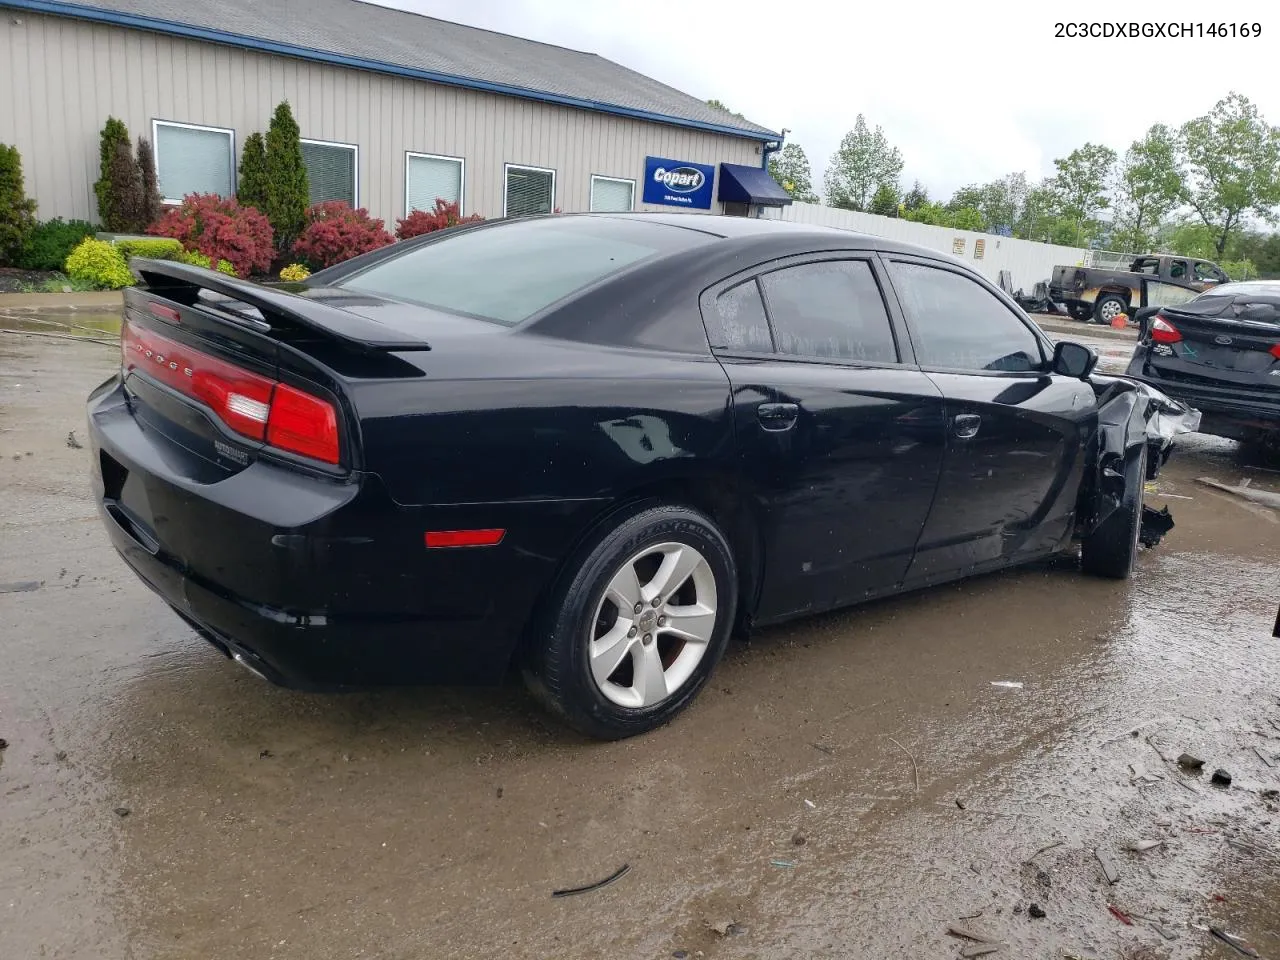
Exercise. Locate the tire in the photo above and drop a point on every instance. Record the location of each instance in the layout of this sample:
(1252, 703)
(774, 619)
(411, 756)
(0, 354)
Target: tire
(588, 629)
(1112, 550)
(1108, 308)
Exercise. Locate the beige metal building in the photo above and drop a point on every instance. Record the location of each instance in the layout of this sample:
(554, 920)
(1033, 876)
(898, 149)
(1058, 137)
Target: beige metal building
(395, 110)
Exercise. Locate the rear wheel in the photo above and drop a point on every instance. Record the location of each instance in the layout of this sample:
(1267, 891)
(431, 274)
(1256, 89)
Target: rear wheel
(1108, 308)
(636, 627)
(1112, 549)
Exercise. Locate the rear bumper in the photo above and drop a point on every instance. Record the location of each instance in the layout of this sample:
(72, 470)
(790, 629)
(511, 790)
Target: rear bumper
(1225, 411)
(323, 585)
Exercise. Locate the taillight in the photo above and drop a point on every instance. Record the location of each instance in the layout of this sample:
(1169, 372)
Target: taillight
(1162, 331)
(303, 423)
(1275, 351)
(250, 404)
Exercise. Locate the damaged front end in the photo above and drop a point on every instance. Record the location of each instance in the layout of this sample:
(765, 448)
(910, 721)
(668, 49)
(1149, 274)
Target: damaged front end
(1132, 417)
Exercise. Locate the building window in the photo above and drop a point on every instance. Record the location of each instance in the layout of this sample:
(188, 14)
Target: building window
(332, 171)
(529, 190)
(193, 159)
(612, 194)
(428, 178)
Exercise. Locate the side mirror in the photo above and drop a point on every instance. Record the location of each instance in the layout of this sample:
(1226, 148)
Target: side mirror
(1074, 359)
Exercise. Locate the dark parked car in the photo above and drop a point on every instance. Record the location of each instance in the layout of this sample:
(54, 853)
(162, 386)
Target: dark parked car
(1220, 353)
(593, 446)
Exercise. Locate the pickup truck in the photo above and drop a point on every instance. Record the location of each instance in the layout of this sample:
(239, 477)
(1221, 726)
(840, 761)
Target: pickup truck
(1100, 295)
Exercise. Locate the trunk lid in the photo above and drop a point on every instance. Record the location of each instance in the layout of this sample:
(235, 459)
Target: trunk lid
(1222, 343)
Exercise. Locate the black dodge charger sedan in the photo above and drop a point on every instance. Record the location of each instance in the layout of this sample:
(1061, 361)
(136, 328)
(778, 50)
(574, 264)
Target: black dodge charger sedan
(593, 446)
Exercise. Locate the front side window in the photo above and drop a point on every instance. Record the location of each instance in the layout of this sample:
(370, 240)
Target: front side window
(612, 194)
(430, 178)
(508, 271)
(830, 310)
(331, 171)
(193, 159)
(957, 324)
(529, 191)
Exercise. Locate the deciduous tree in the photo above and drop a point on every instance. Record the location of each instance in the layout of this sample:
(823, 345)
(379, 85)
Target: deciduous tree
(864, 162)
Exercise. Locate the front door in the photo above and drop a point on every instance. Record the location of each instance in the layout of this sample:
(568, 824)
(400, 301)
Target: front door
(840, 440)
(1016, 433)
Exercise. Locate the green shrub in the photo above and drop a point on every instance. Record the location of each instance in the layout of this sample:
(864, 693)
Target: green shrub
(252, 191)
(60, 284)
(114, 133)
(1239, 269)
(288, 194)
(99, 264)
(197, 259)
(17, 213)
(152, 202)
(152, 248)
(49, 244)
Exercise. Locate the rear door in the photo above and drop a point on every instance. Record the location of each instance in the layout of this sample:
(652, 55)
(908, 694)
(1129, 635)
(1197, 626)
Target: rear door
(840, 435)
(1016, 434)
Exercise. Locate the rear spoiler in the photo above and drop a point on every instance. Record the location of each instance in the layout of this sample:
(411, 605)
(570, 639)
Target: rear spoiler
(183, 283)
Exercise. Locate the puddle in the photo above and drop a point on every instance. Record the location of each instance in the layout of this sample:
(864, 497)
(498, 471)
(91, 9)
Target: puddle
(90, 324)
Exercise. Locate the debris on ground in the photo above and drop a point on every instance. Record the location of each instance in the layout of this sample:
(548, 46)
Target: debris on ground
(799, 838)
(1142, 775)
(1142, 846)
(959, 803)
(727, 928)
(783, 864)
(1036, 911)
(1245, 492)
(1221, 778)
(1109, 869)
(60, 756)
(1045, 849)
(1263, 757)
(1009, 684)
(72, 442)
(122, 811)
(589, 888)
(966, 932)
(4, 744)
(1188, 762)
(264, 754)
(823, 748)
(20, 586)
(979, 949)
(1120, 915)
(1163, 931)
(915, 771)
(1236, 943)
(1155, 524)
(811, 805)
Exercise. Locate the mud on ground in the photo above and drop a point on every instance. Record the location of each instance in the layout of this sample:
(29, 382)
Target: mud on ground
(157, 802)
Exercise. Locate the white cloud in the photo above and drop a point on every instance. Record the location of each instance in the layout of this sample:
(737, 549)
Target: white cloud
(967, 91)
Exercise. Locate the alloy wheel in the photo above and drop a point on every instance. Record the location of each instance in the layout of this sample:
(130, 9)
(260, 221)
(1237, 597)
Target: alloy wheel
(653, 625)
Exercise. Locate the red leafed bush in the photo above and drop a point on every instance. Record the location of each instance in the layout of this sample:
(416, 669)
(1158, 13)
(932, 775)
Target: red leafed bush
(445, 215)
(334, 232)
(221, 229)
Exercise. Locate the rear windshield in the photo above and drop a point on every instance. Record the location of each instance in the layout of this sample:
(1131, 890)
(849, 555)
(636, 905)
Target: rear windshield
(509, 272)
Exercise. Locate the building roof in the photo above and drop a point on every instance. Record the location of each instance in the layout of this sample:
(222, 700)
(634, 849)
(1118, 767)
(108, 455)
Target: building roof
(371, 37)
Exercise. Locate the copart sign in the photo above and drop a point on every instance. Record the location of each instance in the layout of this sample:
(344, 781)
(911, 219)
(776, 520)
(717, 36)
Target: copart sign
(677, 183)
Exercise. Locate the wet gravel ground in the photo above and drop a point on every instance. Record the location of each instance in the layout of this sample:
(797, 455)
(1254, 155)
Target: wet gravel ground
(157, 802)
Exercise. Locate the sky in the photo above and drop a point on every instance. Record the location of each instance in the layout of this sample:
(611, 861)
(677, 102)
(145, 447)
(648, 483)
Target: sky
(967, 91)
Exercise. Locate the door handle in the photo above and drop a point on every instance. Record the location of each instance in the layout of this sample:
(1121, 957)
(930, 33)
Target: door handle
(778, 416)
(965, 425)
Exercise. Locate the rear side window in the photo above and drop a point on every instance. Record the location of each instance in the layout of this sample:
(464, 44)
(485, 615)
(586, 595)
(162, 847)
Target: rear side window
(509, 272)
(743, 326)
(957, 324)
(832, 309)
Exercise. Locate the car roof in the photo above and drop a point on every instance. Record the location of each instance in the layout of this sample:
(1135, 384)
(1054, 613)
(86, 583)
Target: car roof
(1244, 288)
(742, 228)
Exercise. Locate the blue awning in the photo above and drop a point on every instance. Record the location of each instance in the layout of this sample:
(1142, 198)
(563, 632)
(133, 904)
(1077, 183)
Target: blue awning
(739, 184)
